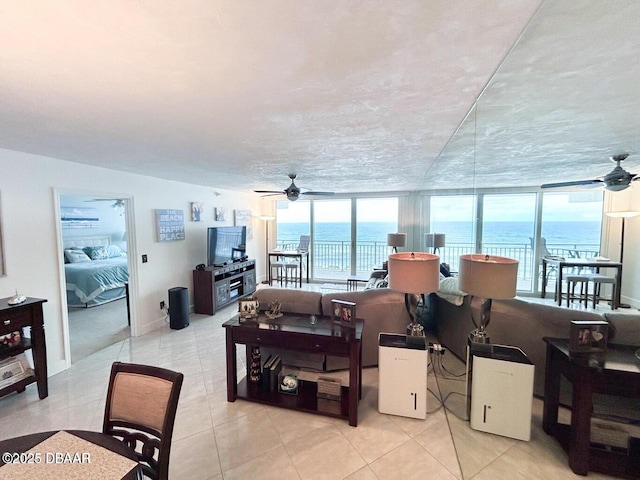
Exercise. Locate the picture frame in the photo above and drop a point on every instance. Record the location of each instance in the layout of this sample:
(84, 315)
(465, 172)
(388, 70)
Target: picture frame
(248, 308)
(220, 214)
(244, 218)
(588, 336)
(197, 209)
(343, 312)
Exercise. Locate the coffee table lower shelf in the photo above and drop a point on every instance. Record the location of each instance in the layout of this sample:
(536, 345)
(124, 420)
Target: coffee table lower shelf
(305, 401)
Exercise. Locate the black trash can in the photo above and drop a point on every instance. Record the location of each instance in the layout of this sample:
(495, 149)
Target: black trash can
(178, 307)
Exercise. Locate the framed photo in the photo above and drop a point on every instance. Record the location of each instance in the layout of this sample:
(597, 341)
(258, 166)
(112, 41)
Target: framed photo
(248, 308)
(220, 214)
(196, 211)
(588, 336)
(343, 312)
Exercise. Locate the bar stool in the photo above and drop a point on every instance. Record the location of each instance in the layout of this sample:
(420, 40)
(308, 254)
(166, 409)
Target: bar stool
(572, 281)
(598, 279)
(291, 268)
(278, 266)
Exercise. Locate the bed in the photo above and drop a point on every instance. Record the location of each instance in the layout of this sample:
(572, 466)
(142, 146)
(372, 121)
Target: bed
(96, 271)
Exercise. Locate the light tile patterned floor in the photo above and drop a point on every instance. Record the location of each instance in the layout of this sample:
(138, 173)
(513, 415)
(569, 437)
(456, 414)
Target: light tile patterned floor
(214, 439)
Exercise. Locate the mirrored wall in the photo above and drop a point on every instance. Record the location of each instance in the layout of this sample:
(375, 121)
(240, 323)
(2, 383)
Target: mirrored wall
(562, 102)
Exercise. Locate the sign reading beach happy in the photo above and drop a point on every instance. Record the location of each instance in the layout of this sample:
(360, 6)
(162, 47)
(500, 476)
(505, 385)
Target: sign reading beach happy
(170, 225)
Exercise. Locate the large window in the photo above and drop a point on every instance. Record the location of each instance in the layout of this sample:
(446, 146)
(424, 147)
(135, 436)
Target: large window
(292, 220)
(376, 217)
(571, 224)
(508, 230)
(349, 236)
(454, 215)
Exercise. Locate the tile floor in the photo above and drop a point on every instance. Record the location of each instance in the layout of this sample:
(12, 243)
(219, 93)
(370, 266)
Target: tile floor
(214, 439)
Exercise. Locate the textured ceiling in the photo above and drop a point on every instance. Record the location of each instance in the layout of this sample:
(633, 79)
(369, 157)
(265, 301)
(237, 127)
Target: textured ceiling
(351, 96)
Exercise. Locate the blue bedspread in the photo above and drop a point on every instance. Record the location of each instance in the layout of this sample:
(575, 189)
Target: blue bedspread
(89, 279)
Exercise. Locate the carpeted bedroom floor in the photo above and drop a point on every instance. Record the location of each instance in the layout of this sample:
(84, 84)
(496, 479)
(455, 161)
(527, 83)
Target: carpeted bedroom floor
(92, 329)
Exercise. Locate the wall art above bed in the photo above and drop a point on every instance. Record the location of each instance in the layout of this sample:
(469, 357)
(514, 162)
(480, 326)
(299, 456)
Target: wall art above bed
(79, 217)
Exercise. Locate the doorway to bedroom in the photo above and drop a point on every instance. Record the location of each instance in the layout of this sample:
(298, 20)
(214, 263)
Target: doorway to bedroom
(96, 272)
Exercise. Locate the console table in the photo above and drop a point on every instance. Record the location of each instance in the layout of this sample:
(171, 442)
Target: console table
(15, 318)
(615, 373)
(295, 332)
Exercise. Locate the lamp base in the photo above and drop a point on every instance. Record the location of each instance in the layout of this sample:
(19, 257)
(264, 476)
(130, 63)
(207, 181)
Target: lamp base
(479, 336)
(415, 330)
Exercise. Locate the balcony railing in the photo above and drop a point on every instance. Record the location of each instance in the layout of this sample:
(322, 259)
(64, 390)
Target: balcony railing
(332, 259)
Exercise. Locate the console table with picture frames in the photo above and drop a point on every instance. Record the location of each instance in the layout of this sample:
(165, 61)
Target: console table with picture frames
(296, 332)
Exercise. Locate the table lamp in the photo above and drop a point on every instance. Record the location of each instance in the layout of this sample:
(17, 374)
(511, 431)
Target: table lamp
(396, 240)
(488, 277)
(435, 241)
(417, 274)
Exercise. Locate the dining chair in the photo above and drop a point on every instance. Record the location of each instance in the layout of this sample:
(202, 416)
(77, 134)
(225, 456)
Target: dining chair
(141, 408)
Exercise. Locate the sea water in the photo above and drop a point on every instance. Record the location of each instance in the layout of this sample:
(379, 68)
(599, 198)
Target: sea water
(579, 233)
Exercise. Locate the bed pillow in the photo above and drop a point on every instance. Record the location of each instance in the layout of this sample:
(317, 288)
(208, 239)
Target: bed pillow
(74, 255)
(96, 253)
(114, 251)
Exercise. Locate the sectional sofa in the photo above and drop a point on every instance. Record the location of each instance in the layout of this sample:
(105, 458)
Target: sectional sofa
(521, 323)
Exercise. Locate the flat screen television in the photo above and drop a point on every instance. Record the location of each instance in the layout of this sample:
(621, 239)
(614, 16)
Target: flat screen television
(226, 245)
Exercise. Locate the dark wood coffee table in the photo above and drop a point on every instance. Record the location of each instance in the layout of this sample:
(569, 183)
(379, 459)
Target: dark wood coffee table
(295, 332)
(615, 373)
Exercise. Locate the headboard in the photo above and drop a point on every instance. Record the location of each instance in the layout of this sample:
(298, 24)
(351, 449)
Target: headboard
(81, 242)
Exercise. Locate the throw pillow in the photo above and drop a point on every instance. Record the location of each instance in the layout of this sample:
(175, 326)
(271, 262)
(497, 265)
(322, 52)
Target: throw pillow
(73, 255)
(96, 253)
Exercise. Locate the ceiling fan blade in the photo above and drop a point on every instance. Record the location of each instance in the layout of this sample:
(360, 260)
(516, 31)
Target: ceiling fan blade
(317, 193)
(275, 192)
(577, 183)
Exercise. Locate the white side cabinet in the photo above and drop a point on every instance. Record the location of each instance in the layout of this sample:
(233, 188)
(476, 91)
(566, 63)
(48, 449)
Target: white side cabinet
(402, 367)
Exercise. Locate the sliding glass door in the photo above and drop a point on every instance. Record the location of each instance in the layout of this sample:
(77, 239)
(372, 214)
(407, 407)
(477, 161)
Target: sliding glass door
(332, 239)
(508, 230)
(375, 218)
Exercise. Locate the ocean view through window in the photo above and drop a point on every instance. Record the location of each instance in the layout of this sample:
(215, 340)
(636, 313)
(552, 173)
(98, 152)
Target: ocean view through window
(350, 237)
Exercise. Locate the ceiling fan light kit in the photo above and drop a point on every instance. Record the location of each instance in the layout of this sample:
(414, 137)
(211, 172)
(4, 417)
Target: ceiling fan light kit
(616, 180)
(292, 192)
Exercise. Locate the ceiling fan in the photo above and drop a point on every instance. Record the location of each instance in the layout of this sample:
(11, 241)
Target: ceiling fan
(616, 180)
(292, 191)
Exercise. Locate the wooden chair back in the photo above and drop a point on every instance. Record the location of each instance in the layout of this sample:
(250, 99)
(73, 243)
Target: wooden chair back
(142, 401)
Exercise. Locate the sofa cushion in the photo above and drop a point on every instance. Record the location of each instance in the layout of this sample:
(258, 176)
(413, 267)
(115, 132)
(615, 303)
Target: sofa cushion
(291, 300)
(624, 328)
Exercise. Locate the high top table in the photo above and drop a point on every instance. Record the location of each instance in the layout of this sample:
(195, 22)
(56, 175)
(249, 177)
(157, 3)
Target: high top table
(562, 263)
(296, 332)
(298, 255)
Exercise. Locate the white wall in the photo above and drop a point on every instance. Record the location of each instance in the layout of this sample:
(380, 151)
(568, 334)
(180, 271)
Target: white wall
(29, 188)
(626, 200)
